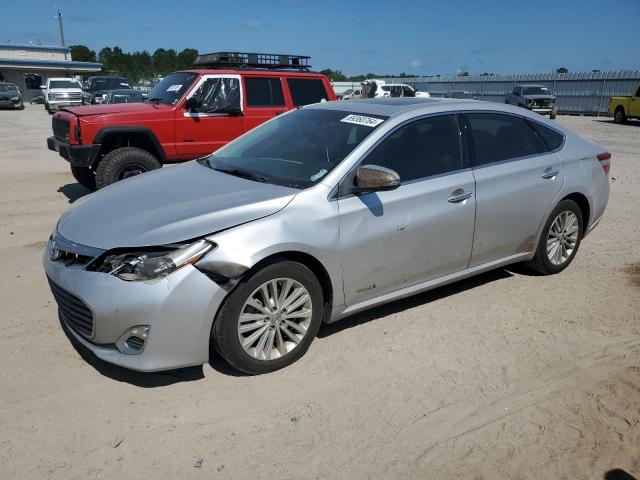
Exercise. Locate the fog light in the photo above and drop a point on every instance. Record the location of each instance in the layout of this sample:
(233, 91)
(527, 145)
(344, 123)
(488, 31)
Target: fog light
(134, 340)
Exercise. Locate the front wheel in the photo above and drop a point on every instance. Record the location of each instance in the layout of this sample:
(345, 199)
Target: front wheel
(85, 177)
(123, 163)
(560, 239)
(270, 319)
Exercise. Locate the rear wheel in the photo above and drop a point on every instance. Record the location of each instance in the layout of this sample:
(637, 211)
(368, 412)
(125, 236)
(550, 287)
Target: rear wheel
(560, 239)
(85, 177)
(123, 163)
(270, 319)
(619, 116)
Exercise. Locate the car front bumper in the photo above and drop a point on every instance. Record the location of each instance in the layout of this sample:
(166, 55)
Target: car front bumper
(76, 155)
(179, 310)
(58, 104)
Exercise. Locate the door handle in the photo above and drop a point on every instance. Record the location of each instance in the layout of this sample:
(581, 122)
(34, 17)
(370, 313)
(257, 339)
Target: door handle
(459, 196)
(550, 174)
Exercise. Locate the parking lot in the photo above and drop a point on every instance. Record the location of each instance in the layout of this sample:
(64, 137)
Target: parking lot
(505, 375)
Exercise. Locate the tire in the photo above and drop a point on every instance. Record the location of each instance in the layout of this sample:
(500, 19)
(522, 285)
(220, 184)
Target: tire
(541, 262)
(225, 334)
(552, 115)
(85, 177)
(619, 116)
(123, 163)
(46, 107)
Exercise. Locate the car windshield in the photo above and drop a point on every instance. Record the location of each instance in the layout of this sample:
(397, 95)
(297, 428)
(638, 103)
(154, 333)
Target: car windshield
(108, 83)
(535, 91)
(172, 87)
(64, 84)
(8, 88)
(297, 149)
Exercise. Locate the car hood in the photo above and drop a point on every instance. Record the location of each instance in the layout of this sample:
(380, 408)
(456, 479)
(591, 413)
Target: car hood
(539, 97)
(65, 90)
(169, 205)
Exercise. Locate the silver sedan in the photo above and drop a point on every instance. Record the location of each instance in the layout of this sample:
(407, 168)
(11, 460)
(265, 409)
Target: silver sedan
(318, 214)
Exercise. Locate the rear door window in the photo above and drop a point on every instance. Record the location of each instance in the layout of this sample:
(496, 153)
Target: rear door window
(497, 137)
(263, 92)
(305, 91)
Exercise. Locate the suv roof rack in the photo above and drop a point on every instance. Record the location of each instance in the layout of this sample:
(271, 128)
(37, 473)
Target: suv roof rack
(269, 61)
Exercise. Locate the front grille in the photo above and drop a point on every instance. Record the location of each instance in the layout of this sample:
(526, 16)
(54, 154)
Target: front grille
(74, 312)
(60, 129)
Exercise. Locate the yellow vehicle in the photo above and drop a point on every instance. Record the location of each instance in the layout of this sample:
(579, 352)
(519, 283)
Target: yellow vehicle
(623, 108)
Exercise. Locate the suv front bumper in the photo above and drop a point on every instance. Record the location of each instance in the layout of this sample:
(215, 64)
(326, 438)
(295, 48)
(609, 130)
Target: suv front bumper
(55, 105)
(178, 309)
(76, 155)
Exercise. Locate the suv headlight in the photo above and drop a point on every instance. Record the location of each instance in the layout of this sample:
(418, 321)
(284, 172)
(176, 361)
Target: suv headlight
(138, 266)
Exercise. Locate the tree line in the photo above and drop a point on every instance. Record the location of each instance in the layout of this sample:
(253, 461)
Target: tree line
(139, 65)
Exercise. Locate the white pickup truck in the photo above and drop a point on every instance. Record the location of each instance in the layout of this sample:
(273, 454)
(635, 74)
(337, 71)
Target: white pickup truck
(61, 92)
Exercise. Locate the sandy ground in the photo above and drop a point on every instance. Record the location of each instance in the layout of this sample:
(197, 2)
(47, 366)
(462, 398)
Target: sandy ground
(502, 376)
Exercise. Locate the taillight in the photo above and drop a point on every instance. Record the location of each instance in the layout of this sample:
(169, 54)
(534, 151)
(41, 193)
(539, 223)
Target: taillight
(605, 160)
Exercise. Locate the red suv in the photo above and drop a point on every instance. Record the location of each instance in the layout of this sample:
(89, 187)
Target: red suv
(187, 115)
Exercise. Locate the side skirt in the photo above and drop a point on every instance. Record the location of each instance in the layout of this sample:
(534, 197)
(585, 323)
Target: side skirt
(428, 285)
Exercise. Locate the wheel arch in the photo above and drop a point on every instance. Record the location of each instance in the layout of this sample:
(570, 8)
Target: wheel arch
(585, 208)
(309, 261)
(111, 138)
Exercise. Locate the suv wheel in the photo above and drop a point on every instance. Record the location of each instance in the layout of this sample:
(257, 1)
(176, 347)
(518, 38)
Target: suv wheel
(123, 163)
(560, 239)
(619, 116)
(270, 318)
(85, 177)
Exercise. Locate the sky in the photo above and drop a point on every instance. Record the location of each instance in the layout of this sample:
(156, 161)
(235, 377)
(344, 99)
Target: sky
(388, 37)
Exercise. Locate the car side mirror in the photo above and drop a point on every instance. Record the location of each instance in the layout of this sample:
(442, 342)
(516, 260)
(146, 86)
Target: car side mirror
(193, 104)
(373, 178)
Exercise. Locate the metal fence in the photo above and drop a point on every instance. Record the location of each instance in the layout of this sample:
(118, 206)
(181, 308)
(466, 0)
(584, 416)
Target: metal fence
(579, 93)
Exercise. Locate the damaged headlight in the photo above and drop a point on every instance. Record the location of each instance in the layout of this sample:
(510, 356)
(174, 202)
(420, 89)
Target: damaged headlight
(153, 265)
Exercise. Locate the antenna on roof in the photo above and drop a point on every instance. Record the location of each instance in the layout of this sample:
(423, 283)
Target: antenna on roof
(269, 61)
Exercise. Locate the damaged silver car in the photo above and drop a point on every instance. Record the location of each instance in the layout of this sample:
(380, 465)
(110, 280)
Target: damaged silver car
(320, 213)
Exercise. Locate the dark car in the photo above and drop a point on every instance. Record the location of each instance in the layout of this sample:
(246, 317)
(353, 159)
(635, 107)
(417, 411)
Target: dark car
(124, 96)
(10, 96)
(97, 88)
(536, 98)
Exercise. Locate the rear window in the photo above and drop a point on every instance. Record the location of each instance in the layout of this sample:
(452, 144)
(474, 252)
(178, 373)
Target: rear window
(264, 92)
(305, 91)
(550, 138)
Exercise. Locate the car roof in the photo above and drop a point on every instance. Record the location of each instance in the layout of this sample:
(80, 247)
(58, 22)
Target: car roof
(254, 71)
(391, 107)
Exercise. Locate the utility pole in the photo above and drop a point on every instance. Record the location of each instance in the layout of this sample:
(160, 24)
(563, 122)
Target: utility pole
(61, 27)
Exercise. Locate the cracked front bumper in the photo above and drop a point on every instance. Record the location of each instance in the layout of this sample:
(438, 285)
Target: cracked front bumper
(179, 308)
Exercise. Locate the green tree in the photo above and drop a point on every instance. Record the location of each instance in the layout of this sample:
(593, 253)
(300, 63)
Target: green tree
(186, 58)
(82, 53)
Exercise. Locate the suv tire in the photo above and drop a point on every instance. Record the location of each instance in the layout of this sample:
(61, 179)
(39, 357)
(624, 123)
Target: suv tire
(123, 163)
(541, 263)
(225, 334)
(85, 177)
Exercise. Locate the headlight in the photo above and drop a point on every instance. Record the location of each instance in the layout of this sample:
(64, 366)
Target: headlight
(153, 265)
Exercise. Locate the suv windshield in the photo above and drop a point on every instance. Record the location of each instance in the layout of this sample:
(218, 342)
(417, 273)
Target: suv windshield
(8, 88)
(64, 84)
(297, 149)
(172, 87)
(113, 83)
(535, 91)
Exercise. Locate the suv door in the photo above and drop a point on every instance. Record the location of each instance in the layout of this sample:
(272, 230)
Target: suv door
(518, 177)
(216, 122)
(420, 231)
(634, 104)
(263, 99)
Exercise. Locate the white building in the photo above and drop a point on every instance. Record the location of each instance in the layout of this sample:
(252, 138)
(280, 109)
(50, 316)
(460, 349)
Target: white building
(29, 66)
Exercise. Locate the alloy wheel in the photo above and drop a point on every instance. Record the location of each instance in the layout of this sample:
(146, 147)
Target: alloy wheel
(562, 237)
(131, 171)
(274, 319)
